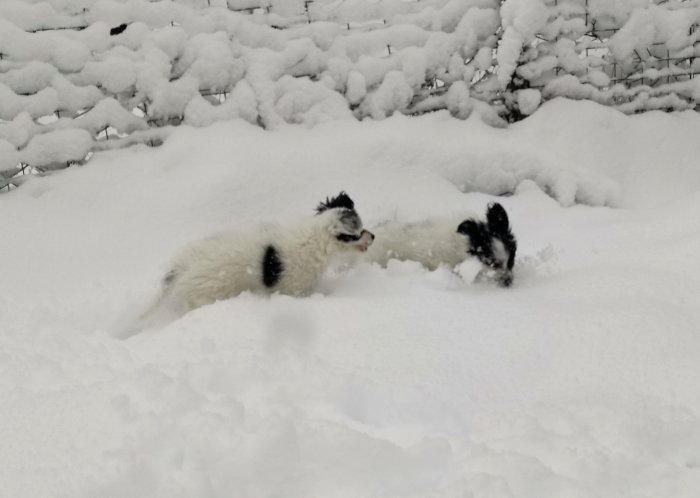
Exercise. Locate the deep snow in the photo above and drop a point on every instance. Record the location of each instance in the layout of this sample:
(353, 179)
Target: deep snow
(581, 381)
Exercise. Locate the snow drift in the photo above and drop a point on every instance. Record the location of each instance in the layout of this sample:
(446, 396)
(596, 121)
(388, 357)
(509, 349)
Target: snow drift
(581, 380)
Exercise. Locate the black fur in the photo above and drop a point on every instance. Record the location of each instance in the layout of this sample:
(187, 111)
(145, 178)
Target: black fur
(499, 226)
(479, 240)
(482, 235)
(346, 237)
(118, 29)
(272, 267)
(342, 200)
(496, 217)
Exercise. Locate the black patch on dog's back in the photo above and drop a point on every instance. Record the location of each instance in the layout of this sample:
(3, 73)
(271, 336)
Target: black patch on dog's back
(342, 200)
(272, 267)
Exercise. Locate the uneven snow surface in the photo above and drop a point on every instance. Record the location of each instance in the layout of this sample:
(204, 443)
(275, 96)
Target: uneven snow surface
(580, 381)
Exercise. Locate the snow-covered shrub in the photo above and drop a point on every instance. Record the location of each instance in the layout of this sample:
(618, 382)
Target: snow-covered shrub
(57, 149)
(241, 103)
(458, 102)
(603, 51)
(9, 160)
(212, 60)
(38, 104)
(108, 113)
(394, 94)
(128, 70)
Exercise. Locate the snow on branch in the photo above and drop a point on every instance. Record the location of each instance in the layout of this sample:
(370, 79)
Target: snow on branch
(57, 149)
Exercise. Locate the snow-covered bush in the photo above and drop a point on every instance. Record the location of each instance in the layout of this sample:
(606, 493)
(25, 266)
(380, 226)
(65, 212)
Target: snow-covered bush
(125, 71)
(635, 55)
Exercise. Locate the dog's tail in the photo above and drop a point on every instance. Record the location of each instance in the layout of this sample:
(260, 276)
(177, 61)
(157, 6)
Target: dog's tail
(135, 321)
(493, 242)
(156, 313)
(167, 284)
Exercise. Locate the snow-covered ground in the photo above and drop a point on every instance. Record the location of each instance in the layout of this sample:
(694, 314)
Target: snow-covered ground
(580, 381)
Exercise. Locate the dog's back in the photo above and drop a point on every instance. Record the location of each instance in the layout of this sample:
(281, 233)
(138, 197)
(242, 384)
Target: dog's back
(431, 242)
(450, 241)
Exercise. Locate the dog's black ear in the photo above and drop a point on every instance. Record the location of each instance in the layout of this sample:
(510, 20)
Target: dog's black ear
(497, 218)
(479, 238)
(499, 227)
(342, 200)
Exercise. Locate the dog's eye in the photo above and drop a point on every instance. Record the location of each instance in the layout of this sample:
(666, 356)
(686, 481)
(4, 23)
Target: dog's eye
(346, 237)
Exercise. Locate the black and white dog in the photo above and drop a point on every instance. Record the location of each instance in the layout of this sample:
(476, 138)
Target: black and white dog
(436, 242)
(265, 259)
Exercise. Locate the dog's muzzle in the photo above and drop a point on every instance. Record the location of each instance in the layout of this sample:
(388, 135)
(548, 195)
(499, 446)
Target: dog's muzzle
(365, 240)
(360, 241)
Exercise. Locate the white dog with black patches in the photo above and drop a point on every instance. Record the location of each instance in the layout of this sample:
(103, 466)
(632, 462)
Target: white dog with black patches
(436, 242)
(266, 259)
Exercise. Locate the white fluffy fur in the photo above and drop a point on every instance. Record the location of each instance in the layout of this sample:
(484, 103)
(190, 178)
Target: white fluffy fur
(432, 243)
(226, 264)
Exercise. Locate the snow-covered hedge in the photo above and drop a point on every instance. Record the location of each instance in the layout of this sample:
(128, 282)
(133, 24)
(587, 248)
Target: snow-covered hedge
(83, 75)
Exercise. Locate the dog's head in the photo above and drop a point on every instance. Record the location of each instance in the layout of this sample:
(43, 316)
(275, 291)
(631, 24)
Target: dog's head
(345, 224)
(492, 242)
